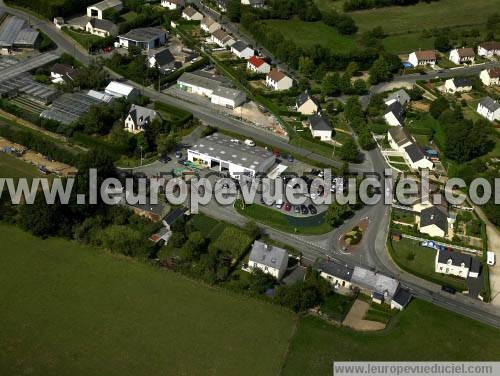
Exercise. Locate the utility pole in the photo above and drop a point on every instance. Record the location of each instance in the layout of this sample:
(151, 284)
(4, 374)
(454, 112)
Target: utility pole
(141, 155)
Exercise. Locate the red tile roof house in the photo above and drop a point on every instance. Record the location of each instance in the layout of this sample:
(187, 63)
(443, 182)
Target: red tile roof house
(419, 58)
(489, 49)
(490, 77)
(258, 65)
(277, 80)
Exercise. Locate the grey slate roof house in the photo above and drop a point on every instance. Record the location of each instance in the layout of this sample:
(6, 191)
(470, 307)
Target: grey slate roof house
(374, 282)
(139, 118)
(320, 127)
(104, 25)
(305, 98)
(415, 152)
(401, 298)
(336, 273)
(270, 259)
(400, 136)
(434, 216)
(394, 114)
(400, 96)
(163, 59)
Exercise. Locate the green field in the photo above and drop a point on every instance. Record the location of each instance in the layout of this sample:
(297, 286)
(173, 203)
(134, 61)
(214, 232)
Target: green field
(442, 13)
(422, 264)
(404, 25)
(421, 332)
(73, 310)
(306, 34)
(12, 167)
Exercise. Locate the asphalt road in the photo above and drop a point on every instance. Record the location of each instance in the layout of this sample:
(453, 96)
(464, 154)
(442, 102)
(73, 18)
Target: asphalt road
(374, 254)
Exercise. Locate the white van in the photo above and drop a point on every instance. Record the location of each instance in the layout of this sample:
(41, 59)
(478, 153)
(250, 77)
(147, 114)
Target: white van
(490, 258)
(249, 142)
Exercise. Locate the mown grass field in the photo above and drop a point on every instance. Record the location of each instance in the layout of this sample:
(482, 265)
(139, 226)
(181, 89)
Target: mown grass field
(403, 25)
(421, 332)
(423, 15)
(73, 310)
(12, 167)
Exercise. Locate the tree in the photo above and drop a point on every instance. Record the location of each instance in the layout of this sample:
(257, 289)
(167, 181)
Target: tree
(349, 151)
(380, 71)
(331, 84)
(346, 25)
(234, 10)
(336, 214)
(359, 87)
(438, 106)
(306, 66)
(167, 142)
(259, 282)
(442, 43)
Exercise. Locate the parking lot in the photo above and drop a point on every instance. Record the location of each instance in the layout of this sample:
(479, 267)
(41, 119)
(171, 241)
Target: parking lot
(175, 165)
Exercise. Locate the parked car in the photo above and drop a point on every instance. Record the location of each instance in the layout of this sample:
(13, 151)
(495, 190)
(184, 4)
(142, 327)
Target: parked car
(165, 159)
(312, 209)
(290, 158)
(448, 289)
(287, 206)
(178, 154)
(249, 142)
(235, 141)
(279, 203)
(304, 209)
(268, 201)
(296, 209)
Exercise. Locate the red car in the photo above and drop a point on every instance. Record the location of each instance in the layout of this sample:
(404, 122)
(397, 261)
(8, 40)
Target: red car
(287, 206)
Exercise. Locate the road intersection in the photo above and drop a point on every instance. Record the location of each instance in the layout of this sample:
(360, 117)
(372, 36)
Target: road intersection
(374, 254)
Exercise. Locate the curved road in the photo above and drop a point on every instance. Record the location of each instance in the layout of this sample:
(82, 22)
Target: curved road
(374, 254)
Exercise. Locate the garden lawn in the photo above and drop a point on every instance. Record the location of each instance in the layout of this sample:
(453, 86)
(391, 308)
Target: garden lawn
(422, 264)
(83, 39)
(210, 227)
(306, 34)
(12, 167)
(73, 310)
(421, 332)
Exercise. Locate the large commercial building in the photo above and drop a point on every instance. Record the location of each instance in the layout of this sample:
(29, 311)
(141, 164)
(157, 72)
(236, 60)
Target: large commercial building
(222, 154)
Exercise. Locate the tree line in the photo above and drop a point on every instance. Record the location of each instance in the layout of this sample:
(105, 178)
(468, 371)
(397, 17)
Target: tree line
(352, 5)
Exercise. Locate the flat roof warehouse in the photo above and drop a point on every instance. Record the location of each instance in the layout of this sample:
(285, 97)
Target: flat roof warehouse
(222, 148)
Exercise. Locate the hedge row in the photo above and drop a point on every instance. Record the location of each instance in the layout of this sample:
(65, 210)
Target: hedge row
(40, 144)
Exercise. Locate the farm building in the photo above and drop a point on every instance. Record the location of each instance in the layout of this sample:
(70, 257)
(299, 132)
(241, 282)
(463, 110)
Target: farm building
(98, 10)
(120, 90)
(69, 107)
(24, 85)
(15, 33)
